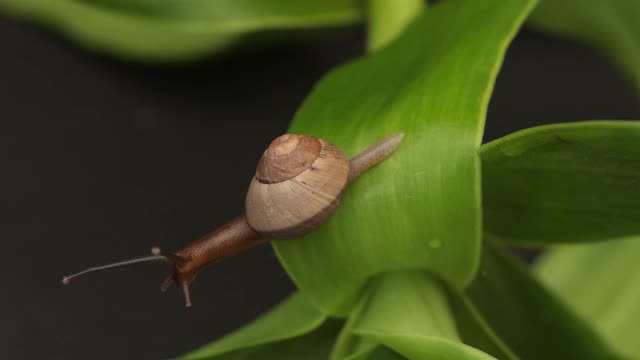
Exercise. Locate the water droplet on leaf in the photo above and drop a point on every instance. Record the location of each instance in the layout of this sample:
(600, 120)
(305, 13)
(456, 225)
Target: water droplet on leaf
(435, 243)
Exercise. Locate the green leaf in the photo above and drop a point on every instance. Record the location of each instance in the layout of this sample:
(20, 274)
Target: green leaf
(430, 348)
(563, 183)
(433, 83)
(408, 311)
(388, 19)
(602, 283)
(173, 30)
(315, 345)
(475, 331)
(293, 327)
(378, 353)
(350, 346)
(526, 316)
(609, 25)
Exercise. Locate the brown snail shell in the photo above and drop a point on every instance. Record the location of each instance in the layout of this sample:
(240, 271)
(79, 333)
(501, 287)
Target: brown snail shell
(298, 185)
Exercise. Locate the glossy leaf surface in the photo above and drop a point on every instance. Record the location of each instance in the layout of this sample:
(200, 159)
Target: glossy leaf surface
(433, 83)
(172, 30)
(609, 25)
(602, 283)
(563, 183)
(526, 316)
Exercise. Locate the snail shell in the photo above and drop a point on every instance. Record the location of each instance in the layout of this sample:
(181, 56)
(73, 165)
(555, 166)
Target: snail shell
(298, 185)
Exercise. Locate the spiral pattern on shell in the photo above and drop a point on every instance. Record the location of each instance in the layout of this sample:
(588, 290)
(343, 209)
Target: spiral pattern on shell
(298, 185)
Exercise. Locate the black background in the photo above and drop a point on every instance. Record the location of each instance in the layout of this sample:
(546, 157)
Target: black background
(101, 160)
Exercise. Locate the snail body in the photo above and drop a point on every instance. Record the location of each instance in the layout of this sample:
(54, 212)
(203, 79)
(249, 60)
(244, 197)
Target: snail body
(298, 185)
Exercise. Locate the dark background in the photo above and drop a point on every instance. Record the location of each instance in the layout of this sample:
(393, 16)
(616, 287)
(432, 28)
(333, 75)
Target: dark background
(101, 160)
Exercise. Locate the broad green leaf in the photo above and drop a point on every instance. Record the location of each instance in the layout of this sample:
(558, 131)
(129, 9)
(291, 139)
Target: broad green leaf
(408, 311)
(602, 283)
(408, 302)
(421, 208)
(609, 25)
(172, 30)
(526, 316)
(287, 329)
(572, 182)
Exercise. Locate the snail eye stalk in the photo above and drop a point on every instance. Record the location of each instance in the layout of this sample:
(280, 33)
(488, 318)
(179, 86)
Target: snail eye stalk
(157, 255)
(187, 294)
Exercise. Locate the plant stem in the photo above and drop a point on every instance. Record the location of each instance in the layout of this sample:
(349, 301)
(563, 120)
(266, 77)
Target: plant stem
(388, 18)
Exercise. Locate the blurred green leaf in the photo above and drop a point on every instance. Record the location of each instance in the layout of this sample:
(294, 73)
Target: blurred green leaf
(379, 353)
(609, 25)
(386, 20)
(408, 311)
(526, 316)
(474, 330)
(315, 345)
(293, 327)
(572, 182)
(173, 30)
(602, 283)
(420, 208)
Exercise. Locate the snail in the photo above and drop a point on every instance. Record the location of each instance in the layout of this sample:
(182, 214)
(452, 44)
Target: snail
(298, 185)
